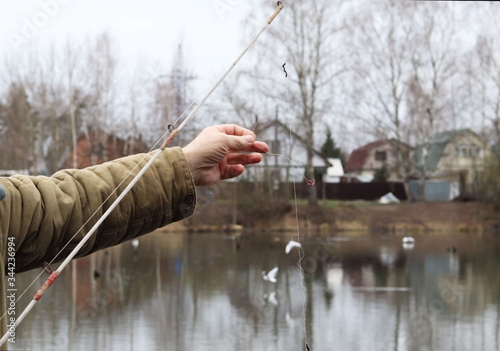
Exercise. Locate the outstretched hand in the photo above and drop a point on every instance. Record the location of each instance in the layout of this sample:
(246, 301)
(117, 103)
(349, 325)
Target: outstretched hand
(221, 152)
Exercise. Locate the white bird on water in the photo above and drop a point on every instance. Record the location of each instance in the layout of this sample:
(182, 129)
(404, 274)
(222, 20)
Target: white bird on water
(291, 244)
(408, 240)
(408, 243)
(135, 243)
(271, 275)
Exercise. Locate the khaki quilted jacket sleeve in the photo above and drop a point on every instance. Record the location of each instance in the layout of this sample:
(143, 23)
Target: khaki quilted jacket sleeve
(44, 213)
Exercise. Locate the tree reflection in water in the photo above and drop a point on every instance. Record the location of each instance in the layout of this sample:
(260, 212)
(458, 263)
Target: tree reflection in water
(206, 292)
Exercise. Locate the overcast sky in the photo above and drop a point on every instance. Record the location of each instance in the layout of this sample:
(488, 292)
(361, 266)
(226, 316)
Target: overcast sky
(211, 31)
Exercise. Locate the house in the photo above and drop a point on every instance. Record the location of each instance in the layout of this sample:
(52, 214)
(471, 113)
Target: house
(287, 157)
(453, 160)
(97, 147)
(366, 160)
(335, 172)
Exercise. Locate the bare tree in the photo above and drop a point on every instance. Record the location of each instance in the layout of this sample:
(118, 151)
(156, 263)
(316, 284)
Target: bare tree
(17, 119)
(49, 97)
(433, 65)
(71, 58)
(483, 72)
(303, 43)
(101, 66)
(27, 106)
(168, 92)
(481, 98)
(381, 49)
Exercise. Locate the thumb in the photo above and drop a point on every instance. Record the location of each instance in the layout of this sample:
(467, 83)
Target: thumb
(240, 142)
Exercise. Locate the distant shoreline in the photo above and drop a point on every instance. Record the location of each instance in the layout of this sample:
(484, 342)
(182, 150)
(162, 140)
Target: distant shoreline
(328, 219)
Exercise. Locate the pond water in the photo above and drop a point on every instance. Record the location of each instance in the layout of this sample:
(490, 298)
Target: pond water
(206, 292)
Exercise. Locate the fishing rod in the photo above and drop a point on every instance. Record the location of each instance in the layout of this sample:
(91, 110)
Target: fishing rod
(53, 276)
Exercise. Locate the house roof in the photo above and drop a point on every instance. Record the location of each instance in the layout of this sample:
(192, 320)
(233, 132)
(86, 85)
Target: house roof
(437, 144)
(260, 128)
(358, 157)
(275, 122)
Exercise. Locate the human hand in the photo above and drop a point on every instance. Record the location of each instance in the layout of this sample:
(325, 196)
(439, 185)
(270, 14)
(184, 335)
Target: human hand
(221, 152)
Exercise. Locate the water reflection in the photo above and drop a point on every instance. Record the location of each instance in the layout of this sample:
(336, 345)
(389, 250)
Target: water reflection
(206, 292)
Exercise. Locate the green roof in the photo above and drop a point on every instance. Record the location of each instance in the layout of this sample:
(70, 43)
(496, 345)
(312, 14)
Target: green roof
(435, 147)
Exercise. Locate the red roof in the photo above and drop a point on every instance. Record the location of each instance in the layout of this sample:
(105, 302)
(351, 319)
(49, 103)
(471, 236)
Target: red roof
(357, 158)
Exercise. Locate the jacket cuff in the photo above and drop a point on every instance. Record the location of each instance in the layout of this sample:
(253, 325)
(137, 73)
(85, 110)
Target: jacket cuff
(183, 183)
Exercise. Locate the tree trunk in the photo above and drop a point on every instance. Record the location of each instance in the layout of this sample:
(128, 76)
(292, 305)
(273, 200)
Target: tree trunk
(313, 196)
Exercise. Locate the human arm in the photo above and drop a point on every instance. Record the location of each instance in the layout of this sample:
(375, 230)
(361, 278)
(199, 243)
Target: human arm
(43, 213)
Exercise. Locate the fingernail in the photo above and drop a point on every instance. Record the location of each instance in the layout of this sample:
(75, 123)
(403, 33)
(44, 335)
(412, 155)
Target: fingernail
(249, 138)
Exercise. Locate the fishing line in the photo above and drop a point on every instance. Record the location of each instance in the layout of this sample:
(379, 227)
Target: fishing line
(53, 276)
(310, 182)
(296, 236)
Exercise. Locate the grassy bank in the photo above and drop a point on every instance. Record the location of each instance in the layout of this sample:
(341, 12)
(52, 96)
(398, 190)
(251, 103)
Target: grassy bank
(330, 217)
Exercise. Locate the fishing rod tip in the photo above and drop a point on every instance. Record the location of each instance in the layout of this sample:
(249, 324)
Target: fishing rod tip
(276, 11)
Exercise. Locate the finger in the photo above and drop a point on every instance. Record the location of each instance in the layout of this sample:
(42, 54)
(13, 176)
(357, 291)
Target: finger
(259, 146)
(232, 171)
(243, 159)
(233, 129)
(239, 143)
